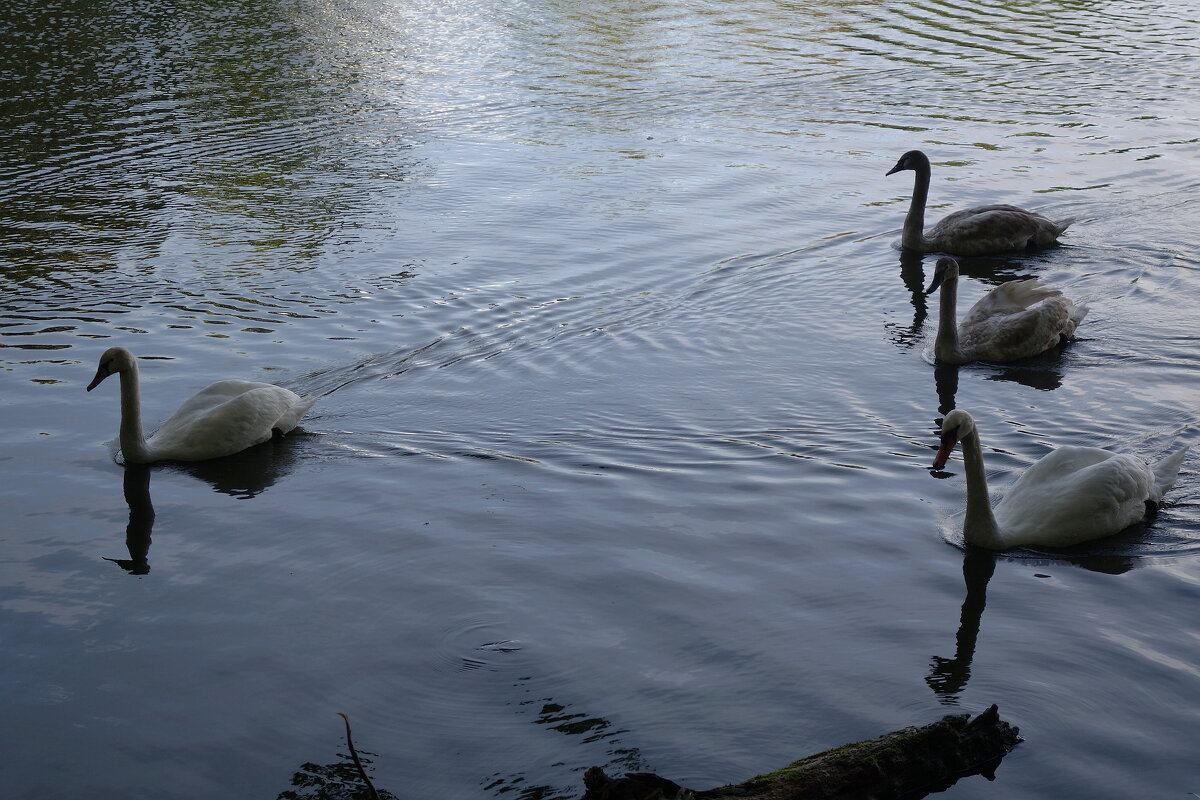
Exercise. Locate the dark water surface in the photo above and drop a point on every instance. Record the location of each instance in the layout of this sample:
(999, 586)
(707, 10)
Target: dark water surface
(622, 455)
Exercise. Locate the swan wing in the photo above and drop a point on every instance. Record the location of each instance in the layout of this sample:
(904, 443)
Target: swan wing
(212, 396)
(992, 229)
(995, 334)
(984, 215)
(1009, 298)
(223, 419)
(1073, 495)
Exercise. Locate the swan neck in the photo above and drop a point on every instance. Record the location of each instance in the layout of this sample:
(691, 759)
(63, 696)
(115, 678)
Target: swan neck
(133, 442)
(945, 346)
(979, 525)
(914, 223)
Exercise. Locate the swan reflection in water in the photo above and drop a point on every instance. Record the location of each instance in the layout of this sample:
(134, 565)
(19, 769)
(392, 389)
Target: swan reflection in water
(1040, 372)
(141, 521)
(912, 273)
(948, 676)
(945, 381)
(242, 475)
(251, 471)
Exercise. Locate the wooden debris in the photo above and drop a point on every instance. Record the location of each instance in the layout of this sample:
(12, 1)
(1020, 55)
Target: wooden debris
(908, 764)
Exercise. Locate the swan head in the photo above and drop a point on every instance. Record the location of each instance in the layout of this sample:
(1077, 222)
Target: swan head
(957, 426)
(114, 360)
(913, 159)
(944, 271)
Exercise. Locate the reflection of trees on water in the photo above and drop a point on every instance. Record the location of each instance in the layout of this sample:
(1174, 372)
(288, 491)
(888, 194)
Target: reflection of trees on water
(175, 127)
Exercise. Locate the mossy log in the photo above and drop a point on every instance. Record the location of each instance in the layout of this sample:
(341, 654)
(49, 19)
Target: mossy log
(908, 764)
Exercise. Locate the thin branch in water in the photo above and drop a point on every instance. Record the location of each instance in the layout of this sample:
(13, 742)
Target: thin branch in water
(357, 761)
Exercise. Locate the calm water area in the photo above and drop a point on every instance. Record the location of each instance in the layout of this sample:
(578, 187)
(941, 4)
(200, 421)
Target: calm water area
(622, 453)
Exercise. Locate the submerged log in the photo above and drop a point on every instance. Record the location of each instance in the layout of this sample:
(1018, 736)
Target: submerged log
(908, 763)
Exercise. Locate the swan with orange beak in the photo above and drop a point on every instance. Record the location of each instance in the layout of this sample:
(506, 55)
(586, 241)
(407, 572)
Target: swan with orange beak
(1072, 495)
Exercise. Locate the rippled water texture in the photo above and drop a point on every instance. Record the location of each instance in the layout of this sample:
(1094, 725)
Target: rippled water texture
(622, 450)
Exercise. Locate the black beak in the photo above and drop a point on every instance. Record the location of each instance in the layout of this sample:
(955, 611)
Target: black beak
(894, 170)
(936, 282)
(101, 373)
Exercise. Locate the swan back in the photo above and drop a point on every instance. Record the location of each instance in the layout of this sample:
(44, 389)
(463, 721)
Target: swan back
(1073, 495)
(993, 229)
(1012, 297)
(1013, 335)
(225, 418)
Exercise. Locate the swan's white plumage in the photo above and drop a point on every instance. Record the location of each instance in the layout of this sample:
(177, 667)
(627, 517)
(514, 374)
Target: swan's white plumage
(1014, 320)
(974, 231)
(220, 420)
(1072, 495)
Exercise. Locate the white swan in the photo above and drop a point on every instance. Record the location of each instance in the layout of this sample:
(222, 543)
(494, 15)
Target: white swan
(1014, 320)
(225, 418)
(973, 231)
(1072, 495)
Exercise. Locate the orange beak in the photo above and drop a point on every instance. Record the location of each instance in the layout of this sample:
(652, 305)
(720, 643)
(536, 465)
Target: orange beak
(943, 453)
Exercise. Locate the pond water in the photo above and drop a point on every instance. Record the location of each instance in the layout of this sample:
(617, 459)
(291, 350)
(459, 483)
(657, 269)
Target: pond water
(626, 413)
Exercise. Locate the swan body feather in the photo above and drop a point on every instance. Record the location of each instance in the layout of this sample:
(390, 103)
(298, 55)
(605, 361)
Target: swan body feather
(974, 231)
(219, 420)
(1014, 320)
(1071, 495)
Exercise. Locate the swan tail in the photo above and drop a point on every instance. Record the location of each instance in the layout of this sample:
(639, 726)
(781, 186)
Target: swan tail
(291, 418)
(1078, 312)
(1062, 224)
(1166, 472)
